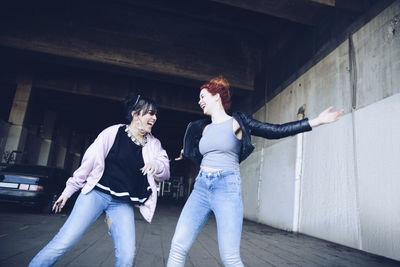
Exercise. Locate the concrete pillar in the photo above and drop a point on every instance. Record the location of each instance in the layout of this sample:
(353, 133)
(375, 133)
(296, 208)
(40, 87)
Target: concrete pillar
(47, 144)
(33, 145)
(74, 152)
(76, 143)
(49, 123)
(45, 152)
(76, 161)
(4, 128)
(61, 139)
(60, 156)
(17, 133)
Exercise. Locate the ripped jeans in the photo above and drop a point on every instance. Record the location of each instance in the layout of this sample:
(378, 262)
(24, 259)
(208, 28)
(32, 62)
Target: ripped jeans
(218, 192)
(86, 210)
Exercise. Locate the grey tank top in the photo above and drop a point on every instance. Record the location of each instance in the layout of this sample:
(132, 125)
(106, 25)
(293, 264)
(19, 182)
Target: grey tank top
(220, 147)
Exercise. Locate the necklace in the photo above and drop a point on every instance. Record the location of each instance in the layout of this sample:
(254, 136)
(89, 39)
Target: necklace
(134, 138)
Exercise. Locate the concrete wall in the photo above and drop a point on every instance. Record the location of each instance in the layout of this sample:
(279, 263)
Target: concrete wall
(350, 173)
(378, 153)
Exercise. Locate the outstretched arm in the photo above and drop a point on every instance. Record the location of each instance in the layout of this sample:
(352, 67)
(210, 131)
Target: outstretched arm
(275, 131)
(326, 116)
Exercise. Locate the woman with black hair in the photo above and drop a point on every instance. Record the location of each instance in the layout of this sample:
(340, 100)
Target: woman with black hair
(118, 171)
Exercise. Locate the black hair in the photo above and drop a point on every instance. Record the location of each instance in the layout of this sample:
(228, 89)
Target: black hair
(140, 104)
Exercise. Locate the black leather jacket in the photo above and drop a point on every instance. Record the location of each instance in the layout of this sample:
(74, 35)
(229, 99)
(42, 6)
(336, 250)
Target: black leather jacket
(249, 127)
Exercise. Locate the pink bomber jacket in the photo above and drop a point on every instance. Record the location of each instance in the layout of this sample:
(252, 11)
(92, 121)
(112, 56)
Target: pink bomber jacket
(92, 167)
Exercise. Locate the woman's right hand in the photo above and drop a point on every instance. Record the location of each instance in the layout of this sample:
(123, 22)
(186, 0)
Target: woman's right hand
(60, 203)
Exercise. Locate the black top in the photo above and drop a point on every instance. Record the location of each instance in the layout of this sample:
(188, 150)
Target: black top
(122, 177)
(249, 127)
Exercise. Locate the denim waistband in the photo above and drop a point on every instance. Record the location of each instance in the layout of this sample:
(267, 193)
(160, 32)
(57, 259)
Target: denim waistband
(213, 174)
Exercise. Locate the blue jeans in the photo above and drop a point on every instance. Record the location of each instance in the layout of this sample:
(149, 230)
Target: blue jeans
(86, 210)
(218, 192)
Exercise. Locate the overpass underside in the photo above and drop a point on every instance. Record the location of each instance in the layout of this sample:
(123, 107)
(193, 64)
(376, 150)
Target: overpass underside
(65, 67)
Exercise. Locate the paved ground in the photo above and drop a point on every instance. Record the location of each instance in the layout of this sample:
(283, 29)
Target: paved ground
(23, 233)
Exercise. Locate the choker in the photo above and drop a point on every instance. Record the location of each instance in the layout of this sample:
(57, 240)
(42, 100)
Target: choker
(134, 138)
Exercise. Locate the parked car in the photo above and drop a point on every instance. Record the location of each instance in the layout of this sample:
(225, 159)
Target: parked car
(37, 186)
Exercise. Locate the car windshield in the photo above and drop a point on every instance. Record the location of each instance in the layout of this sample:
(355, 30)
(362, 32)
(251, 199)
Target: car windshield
(27, 170)
(18, 179)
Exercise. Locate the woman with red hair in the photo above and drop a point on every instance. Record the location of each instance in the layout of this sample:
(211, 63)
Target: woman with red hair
(218, 145)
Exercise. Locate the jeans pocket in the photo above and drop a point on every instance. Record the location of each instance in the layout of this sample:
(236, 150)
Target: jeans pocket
(233, 182)
(233, 179)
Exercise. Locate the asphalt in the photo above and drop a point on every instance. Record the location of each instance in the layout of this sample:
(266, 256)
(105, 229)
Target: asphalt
(23, 232)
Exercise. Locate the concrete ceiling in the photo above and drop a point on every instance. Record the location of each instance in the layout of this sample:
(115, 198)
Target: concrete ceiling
(165, 49)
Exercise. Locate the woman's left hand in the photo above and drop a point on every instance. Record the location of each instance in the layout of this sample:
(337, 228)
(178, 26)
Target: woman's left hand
(149, 168)
(180, 156)
(326, 116)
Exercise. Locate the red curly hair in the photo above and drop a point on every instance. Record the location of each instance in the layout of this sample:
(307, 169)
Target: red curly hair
(219, 85)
